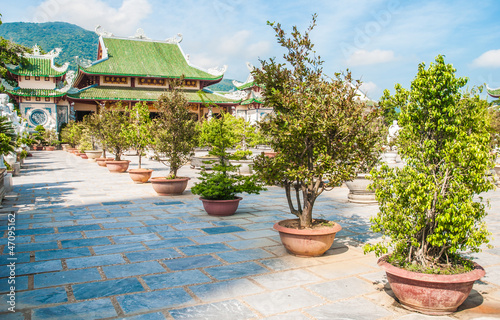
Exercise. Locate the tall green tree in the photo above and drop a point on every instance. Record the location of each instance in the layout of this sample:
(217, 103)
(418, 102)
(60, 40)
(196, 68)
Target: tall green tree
(114, 121)
(428, 208)
(138, 130)
(10, 53)
(321, 132)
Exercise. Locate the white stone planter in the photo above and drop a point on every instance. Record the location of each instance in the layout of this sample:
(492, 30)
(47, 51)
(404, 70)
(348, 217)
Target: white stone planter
(358, 190)
(198, 162)
(246, 166)
(93, 154)
(390, 157)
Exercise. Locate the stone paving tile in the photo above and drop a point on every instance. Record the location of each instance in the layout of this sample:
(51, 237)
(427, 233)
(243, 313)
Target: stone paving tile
(65, 277)
(244, 255)
(358, 308)
(20, 283)
(22, 257)
(29, 299)
(62, 254)
(107, 288)
(342, 289)
(192, 263)
(134, 269)
(148, 301)
(136, 238)
(118, 248)
(153, 255)
(235, 271)
(34, 267)
(32, 247)
(58, 236)
(106, 233)
(175, 279)
(86, 262)
(204, 249)
(169, 243)
(215, 238)
(85, 242)
(147, 316)
(286, 279)
(225, 289)
(219, 230)
(270, 303)
(226, 310)
(86, 310)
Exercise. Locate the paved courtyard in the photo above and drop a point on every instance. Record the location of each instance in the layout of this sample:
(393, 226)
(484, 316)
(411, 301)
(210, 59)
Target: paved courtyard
(92, 245)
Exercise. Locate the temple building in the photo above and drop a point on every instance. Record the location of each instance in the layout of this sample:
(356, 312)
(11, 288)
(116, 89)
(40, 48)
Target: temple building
(40, 88)
(494, 93)
(250, 107)
(138, 69)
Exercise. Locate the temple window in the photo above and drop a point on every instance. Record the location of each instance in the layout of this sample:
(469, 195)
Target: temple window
(152, 82)
(47, 79)
(27, 77)
(190, 83)
(27, 98)
(47, 99)
(38, 99)
(37, 78)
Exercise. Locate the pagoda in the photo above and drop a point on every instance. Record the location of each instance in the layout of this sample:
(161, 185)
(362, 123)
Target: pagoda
(138, 69)
(39, 85)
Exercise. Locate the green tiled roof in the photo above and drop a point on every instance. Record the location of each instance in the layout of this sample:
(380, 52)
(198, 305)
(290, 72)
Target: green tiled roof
(495, 93)
(23, 92)
(140, 94)
(128, 57)
(40, 67)
(246, 85)
(250, 101)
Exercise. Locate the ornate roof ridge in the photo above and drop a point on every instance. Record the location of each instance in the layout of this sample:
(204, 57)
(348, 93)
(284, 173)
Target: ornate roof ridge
(51, 55)
(216, 71)
(493, 92)
(138, 36)
(249, 80)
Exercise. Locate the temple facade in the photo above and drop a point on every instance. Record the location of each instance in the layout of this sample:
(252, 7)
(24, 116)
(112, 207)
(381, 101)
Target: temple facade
(40, 89)
(138, 69)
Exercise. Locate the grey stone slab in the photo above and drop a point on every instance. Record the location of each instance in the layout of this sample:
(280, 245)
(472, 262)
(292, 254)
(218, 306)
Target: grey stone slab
(86, 310)
(295, 315)
(340, 270)
(225, 310)
(357, 308)
(342, 289)
(270, 303)
(286, 279)
(225, 289)
(148, 301)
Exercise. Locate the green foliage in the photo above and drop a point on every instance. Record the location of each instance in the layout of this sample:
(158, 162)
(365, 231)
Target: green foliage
(72, 39)
(138, 130)
(389, 105)
(223, 183)
(242, 154)
(174, 131)
(427, 208)
(321, 132)
(494, 112)
(72, 133)
(50, 137)
(114, 120)
(230, 135)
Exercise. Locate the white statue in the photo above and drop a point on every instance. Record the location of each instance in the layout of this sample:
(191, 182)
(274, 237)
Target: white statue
(7, 110)
(393, 131)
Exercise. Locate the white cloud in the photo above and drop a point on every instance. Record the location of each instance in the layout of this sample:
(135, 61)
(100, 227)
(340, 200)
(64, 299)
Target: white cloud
(489, 59)
(89, 13)
(369, 88)
(363, 57)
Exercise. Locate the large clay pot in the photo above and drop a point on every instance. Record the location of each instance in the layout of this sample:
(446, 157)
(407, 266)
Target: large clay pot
(102, 161)
(38, 148)
(358, 190)
(167, 187)
(83, 156)
(221, 208)
(245, 166)
(140, 175)
(71, 150)
(432, 294)
(307, 242)
(50, 148)
(93, 154)
(117, 166)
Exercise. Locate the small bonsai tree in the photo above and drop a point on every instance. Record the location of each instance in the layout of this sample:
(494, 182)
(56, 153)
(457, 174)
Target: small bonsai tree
(95, 126)
(174, 131)
(428, 212)
(114, 121)
(50, 137)
(7, 136)
(38, 135)
(222, 183)
(138, 130)
(71, 133)
(320, 130)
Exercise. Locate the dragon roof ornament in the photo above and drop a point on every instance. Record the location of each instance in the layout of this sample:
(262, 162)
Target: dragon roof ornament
(217, 71)
(102, 33)
(174, 39)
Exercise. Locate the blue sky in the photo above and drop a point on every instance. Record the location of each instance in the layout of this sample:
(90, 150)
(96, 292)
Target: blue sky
(381, 42)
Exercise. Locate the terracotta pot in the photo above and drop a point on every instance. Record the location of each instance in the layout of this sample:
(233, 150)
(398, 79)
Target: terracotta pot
(38, 148)
(358, 190)
(166, 187)
(72, 150)
(117, 166)
(432, 294)
(50, 148)
(307, 242)
(270, 154)
(102, 161)
(140, 175)
(93, 154)
(221, 208)
(83, 156)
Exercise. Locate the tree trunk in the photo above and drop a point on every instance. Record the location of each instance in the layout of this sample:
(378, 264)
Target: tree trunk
(306, 217)
(140, 159)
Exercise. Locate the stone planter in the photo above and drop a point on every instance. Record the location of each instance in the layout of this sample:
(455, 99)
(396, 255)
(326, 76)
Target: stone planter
(432, 294)
(358, 190)
(245, 166)
(117, 166)
(65, 146)
(167, 187)
(390, 157)
(102, 161)
(93, 154)
(307, 242)
(50, 148)
(270, 154)
(198, 162)
(221, 208)
(83, 156)
(140, 175)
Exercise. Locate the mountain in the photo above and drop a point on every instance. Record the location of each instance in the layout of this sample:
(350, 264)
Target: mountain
(72, 39)
(225, 85)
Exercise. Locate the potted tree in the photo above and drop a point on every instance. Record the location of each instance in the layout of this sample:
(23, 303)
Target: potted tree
(219, 188)
(113, 122)
(138, 134)
(174, 137)
(319, 132)
(38, 137)
(429, 214)
(50, 137)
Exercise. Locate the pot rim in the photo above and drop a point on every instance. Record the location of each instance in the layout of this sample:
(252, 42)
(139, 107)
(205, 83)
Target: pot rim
(89, 151)
(163, 179)
(117, 161)
(137, 170)
(477, 273)
(236, 199)
(336, 228)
